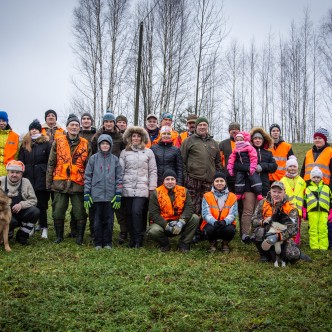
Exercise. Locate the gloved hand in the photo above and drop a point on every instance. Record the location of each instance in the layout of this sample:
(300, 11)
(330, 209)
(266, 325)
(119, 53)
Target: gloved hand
(267, 221)
(116, 201)
(169, 227)
(258, 168)
(178, 227)
(87, 201)
(329, 218)
(304, 213)
(220, 224)
(272, 239)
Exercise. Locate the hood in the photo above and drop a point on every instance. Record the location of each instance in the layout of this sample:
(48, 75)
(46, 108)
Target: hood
(26, 142)
(268, 142)
(135, 129)
(105, 137)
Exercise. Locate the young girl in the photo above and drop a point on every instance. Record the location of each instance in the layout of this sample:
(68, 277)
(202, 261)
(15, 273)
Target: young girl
(318, 200)
(103, 187)
(244, 160)
(294, 186)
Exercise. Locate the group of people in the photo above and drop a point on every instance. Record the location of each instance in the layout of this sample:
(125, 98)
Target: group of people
(185, 184)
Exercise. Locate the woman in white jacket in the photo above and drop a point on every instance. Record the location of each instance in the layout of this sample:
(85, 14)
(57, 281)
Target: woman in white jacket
(139, 179)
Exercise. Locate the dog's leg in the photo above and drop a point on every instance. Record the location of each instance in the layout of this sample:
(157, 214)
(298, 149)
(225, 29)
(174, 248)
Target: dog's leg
(5, 237)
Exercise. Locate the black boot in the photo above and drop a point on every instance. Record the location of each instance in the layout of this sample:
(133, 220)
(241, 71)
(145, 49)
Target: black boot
(22, 237)
(59, 226)
(122, 237)
(80, 231)
(73, 228)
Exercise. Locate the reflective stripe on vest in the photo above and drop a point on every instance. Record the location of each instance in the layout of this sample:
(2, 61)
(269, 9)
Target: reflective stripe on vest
(323, 200)
(168, 210)
(70, 167)
(322, 161)
(214, 208)
(280, 156)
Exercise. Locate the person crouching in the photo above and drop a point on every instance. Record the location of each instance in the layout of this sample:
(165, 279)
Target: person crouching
(172, 213)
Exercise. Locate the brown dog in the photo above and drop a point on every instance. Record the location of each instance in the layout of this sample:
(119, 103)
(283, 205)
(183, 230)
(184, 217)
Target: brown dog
(5, 217)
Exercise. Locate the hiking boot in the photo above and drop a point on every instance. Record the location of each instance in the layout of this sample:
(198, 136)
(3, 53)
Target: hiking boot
(22, 237)
(213, 246)
(225, 247)
(165, 248)
(263, 258)
(122, 237)
(184, 248)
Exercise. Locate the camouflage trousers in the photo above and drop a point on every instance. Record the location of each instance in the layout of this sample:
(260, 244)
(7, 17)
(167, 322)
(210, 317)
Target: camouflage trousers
(197, 189)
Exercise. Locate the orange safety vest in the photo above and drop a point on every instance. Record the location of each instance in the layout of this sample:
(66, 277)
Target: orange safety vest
(280, 156)
(323, 162)
(168, 210)
(214, 208)
(222, 156)
(181, 138)
(70, 167)
(58, 132)
(11, 147)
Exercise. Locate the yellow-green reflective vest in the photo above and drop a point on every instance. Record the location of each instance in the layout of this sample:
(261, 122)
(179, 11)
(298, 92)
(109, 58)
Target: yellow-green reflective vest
(296, 196)
(324, 197)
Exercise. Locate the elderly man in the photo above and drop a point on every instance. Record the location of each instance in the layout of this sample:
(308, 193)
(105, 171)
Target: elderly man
(201, 160)
(121, 123)
(51, 127)
(281, 152)
(276, 208)
(172, 213)
(191, 119)
(65, 176)
(226, 148)
(24, 211)
(9, 142)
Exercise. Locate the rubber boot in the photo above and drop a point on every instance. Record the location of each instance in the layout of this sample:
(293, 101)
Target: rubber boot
(59, 226)
(73, 228)
(80, 231)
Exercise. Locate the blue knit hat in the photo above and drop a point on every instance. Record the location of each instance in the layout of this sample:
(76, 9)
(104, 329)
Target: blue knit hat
(4, 116)
(109, 116)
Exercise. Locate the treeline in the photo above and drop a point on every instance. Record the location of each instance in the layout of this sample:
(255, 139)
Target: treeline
(189, 65)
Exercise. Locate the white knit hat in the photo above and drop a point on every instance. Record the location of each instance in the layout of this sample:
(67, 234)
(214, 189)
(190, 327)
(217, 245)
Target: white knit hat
(316, 172)
(292, 161)
(165, 129)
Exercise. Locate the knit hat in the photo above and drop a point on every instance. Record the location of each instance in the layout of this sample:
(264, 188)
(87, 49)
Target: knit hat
(192, 118)
(35, 124)
(278, 184)
(121, 118)
(152, 116)
(166, 115)
(219, 175)
(316, 172)
(274, 125)
(4, 116)
(239, 135)
(108, 116)
(292, 161)
(88, 115)
(165, 129)
(256, 135)
(323, 133)
(72, 118)
(15, 165)
(200, 120)
(51, 111)
(169, 172)
(233, 125)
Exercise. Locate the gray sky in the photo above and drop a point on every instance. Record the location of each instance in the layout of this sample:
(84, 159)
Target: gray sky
(36, 59)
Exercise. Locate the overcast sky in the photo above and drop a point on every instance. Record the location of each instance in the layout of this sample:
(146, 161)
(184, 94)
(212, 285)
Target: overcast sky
(36, 59)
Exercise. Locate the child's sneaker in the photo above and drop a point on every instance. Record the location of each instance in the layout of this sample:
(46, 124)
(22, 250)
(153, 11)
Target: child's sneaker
(260, 197)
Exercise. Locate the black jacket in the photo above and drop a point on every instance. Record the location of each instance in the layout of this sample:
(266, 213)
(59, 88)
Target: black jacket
(35, 161)
(168, 157)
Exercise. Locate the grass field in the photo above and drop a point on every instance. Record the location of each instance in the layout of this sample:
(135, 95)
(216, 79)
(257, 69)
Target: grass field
(65, 287)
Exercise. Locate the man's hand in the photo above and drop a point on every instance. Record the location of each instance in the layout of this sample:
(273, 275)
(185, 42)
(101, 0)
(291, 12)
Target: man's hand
(17, 208)
(178, 227)
(87, 201)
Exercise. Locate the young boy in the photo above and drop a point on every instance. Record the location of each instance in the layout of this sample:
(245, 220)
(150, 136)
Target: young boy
(318, 200)
(102, 188)
(294, 187)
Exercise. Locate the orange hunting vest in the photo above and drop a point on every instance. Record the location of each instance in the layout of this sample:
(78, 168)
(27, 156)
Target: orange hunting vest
(214, 209)
(70, 167)
(11, 147)
(323, 162)
(280, 156)
(168, 210)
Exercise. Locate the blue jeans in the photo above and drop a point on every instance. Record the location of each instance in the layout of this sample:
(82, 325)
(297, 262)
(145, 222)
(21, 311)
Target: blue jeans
(103, 223)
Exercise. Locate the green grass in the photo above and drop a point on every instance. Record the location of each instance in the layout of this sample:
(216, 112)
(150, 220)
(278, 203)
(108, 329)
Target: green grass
(65, 287)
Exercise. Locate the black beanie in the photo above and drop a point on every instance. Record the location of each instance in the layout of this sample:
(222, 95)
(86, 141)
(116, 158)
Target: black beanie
(72, 117)
(274, 125)
(219, 175)
(51, 111)
(35, 124)
(169, 172)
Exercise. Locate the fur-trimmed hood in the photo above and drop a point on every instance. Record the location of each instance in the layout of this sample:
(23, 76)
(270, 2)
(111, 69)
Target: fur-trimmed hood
(268, 142)
(27, 141)
(135, 129)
